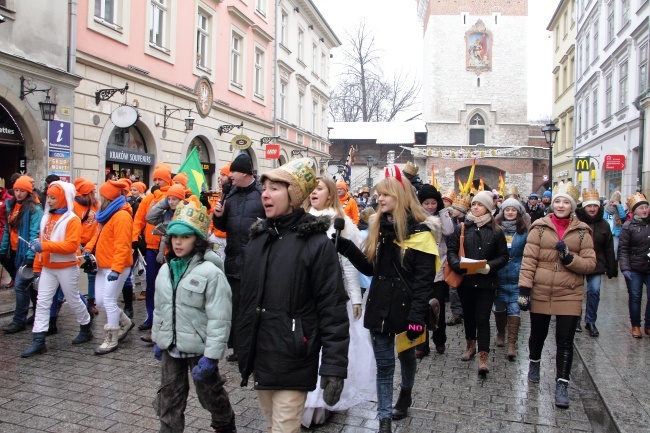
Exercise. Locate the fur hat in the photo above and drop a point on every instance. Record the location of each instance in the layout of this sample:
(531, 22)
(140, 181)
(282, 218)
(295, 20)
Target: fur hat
(25, 183)
(112, 189)
(300, 177)
(429, 191)
(341, 184)
(449, 195)
(410, 169)
(176, 190)
(181, 178)
(486, 199)
(140, 186)
(163, 172)
(242, 164)
(461, 203)
(590, 197)
(568, 191)
(83, 186)
(513, 202)
(189, 218)
(635, 200)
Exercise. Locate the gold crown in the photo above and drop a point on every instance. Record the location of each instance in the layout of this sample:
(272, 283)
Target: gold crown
(635, 200)
(462, 202)
(590, 195)
(192, 215)
(568, 189)
(510, 190)
(411, 169)
(450, 195)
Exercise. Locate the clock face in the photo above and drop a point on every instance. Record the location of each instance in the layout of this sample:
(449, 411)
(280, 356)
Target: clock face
(203, 91)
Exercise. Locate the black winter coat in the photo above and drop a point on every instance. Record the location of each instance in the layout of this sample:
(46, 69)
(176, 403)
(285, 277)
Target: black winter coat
(603, 242)
(634, 246)
(481, 243)
(243, 207)
(534, 214)
(293, 303)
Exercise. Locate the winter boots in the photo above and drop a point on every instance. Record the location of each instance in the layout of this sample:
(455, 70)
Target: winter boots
(501, 317)
(126, 325)
(513, 333)
(483, 368)
(533, 371)
(400, 410)
(52, 328)
(110, 341)
(470, 351)
(385, 426)
(92, 308)
(37, 347)
(562, 393)
(85, 334)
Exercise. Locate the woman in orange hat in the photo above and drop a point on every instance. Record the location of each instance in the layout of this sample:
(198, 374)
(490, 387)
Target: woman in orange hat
(24, 215)
(86, 206)
(111, 246)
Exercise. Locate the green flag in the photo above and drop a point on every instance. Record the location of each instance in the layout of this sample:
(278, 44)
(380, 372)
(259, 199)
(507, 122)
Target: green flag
(192, 168)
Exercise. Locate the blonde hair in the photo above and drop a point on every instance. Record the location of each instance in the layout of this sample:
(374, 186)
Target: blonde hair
(406, 204)
(332, 199)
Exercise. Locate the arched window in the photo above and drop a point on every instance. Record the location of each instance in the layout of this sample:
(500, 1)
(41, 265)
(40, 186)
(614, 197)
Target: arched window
(476, 130)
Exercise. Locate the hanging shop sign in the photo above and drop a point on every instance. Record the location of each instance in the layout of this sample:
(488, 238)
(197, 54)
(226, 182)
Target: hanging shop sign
(58, 149)
(272, 151)
(241, 142)
(203, 90)
(121, 155)
(582, 164)
(614, 163)
(124, 116)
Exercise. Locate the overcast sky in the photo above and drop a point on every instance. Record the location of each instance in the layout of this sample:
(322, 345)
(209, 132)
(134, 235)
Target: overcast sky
(399, 35)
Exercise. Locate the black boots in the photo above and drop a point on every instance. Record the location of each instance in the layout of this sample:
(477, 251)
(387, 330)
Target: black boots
(533, 371)
(385, 426)
(52, 329)
(37, 347)
(562, 393)
(400, 410)
(85, 334)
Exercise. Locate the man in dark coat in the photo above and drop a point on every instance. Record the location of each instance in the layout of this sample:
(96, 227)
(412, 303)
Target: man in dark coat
(235, 214)
(533, 208)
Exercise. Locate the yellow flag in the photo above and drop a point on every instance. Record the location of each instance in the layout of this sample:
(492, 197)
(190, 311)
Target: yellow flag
(470, 180)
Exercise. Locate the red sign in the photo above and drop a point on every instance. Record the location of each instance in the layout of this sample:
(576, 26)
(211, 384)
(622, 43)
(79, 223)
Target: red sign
(614, 162)
(272, 151)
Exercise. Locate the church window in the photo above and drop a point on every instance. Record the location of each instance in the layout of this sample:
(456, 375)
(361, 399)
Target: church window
(476, 130)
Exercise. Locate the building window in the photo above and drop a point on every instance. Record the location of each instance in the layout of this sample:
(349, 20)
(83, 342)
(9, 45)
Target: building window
(557, 37)
(236, 45)
(314, 58)
(572, 69)
(477, 130)
(283, 28)
(323, 66)
(587, 113)
(203, 41)
(565, 81)
(260, 7)
(579, 119)
(314, 118)
(608, 95)
(301, 109)
(566, 23)
(610, 21)
(557, 85)
(594, 110)
(301, 44)
(622, 86)
(579, 59)
(625, 12)
(259, 73)
(283, 99)
(587, 48)
(596, 39)
(323, 120)
(613, 180)
(106, 10)
(643, 67)
(157, 28)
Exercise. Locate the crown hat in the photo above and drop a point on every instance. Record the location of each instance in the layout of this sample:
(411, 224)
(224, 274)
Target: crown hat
(461, 203)
(635, 200)
(300, 177)
(510, 190)
(589, 197)
(450, 195)
(568, 191)
(410, 169)
(189, 218)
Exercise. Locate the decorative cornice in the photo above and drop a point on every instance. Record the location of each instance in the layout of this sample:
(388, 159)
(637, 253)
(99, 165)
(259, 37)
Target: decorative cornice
(239, 15)
(259, 31)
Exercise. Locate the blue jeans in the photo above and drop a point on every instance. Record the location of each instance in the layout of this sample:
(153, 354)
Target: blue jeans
(383, 345)
(91, 286)
(635, 292)
(152, 272)
(21, 287)
(506, 300)
(593, 297)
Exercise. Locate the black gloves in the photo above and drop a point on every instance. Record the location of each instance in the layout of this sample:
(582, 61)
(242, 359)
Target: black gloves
(612, 273)
(343, 245)
(414, 330)
(332, 387)
(563, 252)
(29, 263)
(524, 298)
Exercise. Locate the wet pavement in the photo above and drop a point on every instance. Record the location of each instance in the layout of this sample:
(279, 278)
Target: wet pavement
(69, 389)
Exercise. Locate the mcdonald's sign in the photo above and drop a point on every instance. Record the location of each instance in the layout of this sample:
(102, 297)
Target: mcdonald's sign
(582, 164)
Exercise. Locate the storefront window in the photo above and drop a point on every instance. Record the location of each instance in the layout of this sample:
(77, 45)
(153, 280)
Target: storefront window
(201, 148)
(613, 181)
(130, 139)
(127, 140)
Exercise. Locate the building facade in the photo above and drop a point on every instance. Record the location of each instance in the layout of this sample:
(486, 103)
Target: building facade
(479, 50)
(563, 30)
(611, 79)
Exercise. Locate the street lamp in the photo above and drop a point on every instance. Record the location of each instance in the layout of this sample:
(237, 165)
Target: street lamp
(550, 134)
(370, 162)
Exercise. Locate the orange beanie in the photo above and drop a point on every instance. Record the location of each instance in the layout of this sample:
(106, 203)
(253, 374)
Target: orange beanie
(341, 184)
(163, 172)
(57, 192)
(181, 178)
(25, 183)
(83, 186)
(112, 189)
(140, 186)
(128, 183)
(177, 190)
(225, 170)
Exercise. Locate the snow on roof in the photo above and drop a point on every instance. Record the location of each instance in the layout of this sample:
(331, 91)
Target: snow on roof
(383, 132)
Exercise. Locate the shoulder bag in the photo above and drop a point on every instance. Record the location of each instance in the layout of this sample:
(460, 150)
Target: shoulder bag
(451, 277)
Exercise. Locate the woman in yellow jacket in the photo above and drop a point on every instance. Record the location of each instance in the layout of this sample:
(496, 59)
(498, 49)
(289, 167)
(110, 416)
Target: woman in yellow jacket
(111, 246)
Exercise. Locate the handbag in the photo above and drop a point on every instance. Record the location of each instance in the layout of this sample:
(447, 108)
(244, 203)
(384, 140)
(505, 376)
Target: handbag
(451, 277)
(433, 313)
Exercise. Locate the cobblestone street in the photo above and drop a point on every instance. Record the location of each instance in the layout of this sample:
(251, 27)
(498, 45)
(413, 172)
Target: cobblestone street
(69, 389)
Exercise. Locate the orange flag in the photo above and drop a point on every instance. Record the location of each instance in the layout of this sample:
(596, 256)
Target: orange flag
(481, 184)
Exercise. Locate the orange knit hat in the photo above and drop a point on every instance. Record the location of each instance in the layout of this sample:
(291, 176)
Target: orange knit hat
(112, 189)
(177, 190)
(57, 192)
(163, 172)
(225, 170)
(181, 178)
(83, 186)
(25, 183)
(341, 184)
(140, 186)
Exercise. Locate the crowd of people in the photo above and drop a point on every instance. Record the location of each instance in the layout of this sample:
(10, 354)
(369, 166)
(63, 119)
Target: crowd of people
(311, 289)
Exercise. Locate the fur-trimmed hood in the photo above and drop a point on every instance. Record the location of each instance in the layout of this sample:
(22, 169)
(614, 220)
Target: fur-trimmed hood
(302, 223)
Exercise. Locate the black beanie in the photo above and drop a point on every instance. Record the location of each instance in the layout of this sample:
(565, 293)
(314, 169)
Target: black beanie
(430, 191)
(242, 164)
(51, 178)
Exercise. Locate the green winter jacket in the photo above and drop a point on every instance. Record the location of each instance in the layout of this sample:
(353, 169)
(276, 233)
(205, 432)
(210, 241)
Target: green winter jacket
(195, 315)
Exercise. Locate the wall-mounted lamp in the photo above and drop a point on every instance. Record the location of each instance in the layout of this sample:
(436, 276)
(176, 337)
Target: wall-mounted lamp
(228, 128)
(296, 153)
(322, 39)
(296, 9)
(106, 94)
(48, 107)
(267, 140)
(311, 27)
(189, 120)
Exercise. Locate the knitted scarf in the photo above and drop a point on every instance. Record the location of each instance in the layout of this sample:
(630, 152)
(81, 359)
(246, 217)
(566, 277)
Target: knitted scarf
(479, 221)
(104, 215)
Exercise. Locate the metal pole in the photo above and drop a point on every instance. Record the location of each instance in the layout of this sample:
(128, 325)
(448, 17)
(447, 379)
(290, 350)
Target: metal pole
(550, 166)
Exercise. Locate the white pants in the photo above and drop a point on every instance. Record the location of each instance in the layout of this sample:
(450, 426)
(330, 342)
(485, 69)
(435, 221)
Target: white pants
(68, 279)
(107, 292)
(282, 409)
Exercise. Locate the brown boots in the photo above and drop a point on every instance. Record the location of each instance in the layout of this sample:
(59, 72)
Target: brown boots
(501, 317)
(470, 351)
(513, 333)
(483, 363)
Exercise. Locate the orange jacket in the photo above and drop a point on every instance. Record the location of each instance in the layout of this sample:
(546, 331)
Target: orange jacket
(112, 244)
(350, 207)
(68, 246)
(140, 223)
(89, 226)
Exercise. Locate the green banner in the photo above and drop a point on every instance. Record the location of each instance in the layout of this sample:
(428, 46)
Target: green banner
(194, 170)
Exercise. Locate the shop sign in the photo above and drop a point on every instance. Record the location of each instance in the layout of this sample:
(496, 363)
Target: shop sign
(614, 163)
(272, 151)
(58, 149)
(241, 142)
(203, 90)
(10, 133)
(120, 155)
(582, 164)
(22, 165)
(124, 116)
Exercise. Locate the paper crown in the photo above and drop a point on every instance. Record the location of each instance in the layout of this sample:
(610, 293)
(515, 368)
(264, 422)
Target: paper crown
(590, 196)
(300, 177)
(510, 190)
(410, 169)
(636, 200)
(449, 195)
(566, 189)
(461, 203)
(192, 216)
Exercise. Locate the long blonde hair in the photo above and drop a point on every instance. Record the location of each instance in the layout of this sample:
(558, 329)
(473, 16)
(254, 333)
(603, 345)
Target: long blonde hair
(406, 204)
(332, 198)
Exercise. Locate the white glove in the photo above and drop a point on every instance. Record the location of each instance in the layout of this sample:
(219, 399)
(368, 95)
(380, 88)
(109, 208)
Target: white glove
(356, 311)
(484, 270)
